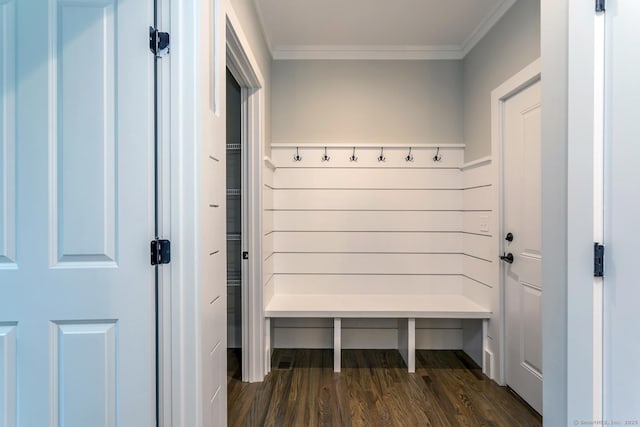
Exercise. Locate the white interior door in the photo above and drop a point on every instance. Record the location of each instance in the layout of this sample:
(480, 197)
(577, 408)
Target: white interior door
(522, 218)
(76, 213)
(621, 341)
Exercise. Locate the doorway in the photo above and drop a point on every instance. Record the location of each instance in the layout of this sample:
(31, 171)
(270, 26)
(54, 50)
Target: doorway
(249, 110)
(236, 199)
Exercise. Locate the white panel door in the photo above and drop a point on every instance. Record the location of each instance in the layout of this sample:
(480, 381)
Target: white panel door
(621, 342)
(76, 214)
(522, 218)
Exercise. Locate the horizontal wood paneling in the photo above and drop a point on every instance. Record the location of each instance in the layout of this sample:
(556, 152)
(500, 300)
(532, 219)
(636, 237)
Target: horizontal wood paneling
(479, 246)
(363, 284)
(373, 228)
(267, 198)
(268, 290)
(267, 176)
(471, 222)
(368, 178)
(282, 157)
(367, 242)
(487, 297)
(479, 269)
(267, 230)
(366, 221)
(394, 200)
(478, 198)
(267, 269)
(480, 293)
(356, 263)
(267, 222)
(480, 281)
(478, 176)
(267, 245)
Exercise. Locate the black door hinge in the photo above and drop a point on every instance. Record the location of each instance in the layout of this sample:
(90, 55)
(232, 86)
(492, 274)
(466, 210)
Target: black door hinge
(600, 5)
(158, 42)
(160, 252)
(598, 260)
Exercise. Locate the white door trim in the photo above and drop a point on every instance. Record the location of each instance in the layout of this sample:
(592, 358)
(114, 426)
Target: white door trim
(181, 333)
(526, 77)
(585, 208)
(245, 70)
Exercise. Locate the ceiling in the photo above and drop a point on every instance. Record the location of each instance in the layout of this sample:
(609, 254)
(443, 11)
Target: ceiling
(376, 29)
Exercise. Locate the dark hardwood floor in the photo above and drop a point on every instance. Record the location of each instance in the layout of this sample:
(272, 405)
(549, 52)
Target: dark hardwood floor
(373, 389)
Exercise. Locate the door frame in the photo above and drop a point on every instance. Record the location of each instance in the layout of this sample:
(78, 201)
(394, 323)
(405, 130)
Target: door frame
(520, 81)
(244, 68)
(564, 47)
(180, 367)
(585, 211)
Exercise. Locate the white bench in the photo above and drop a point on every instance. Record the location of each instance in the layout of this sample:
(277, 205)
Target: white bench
(404, 307)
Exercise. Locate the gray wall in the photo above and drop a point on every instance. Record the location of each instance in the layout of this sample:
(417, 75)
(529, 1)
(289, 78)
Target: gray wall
(512, 43)
(246, 12)
(390, 102)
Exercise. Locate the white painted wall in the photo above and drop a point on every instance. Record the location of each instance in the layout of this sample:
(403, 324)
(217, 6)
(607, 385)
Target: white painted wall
(380, 102)
(512, 44)
(267, 229)
(379, 227)
(480, 266)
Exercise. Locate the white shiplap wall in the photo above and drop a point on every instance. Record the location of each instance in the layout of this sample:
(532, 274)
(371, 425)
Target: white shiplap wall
(370, 226)
(481, 263)
(267, 244)
(267, 227)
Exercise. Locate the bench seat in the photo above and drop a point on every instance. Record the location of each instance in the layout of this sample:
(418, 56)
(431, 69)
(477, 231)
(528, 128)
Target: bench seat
(375, 306)
(405, 307)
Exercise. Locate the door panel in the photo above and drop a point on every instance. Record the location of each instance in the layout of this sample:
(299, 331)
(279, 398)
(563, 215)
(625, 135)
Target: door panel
(77, 291)
(86, 355)
(7, 133)
(522, 217)
(83, 140)
(621, 343)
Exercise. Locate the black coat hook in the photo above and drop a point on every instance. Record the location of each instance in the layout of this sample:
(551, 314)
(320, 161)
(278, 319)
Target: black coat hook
(353, 157)
(381, 157)
(409, 157)
(437, 157)
(297, 157)
(325, 158)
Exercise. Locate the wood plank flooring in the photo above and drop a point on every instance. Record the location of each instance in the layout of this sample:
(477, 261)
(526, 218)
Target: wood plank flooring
(373, 389)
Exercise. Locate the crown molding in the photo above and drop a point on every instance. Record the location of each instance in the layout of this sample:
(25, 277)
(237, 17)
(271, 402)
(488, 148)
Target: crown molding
(366, 52)
(485, 26)
(385, 52)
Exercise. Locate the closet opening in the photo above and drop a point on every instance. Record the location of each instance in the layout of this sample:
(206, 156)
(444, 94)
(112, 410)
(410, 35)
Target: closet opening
(236, 230)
